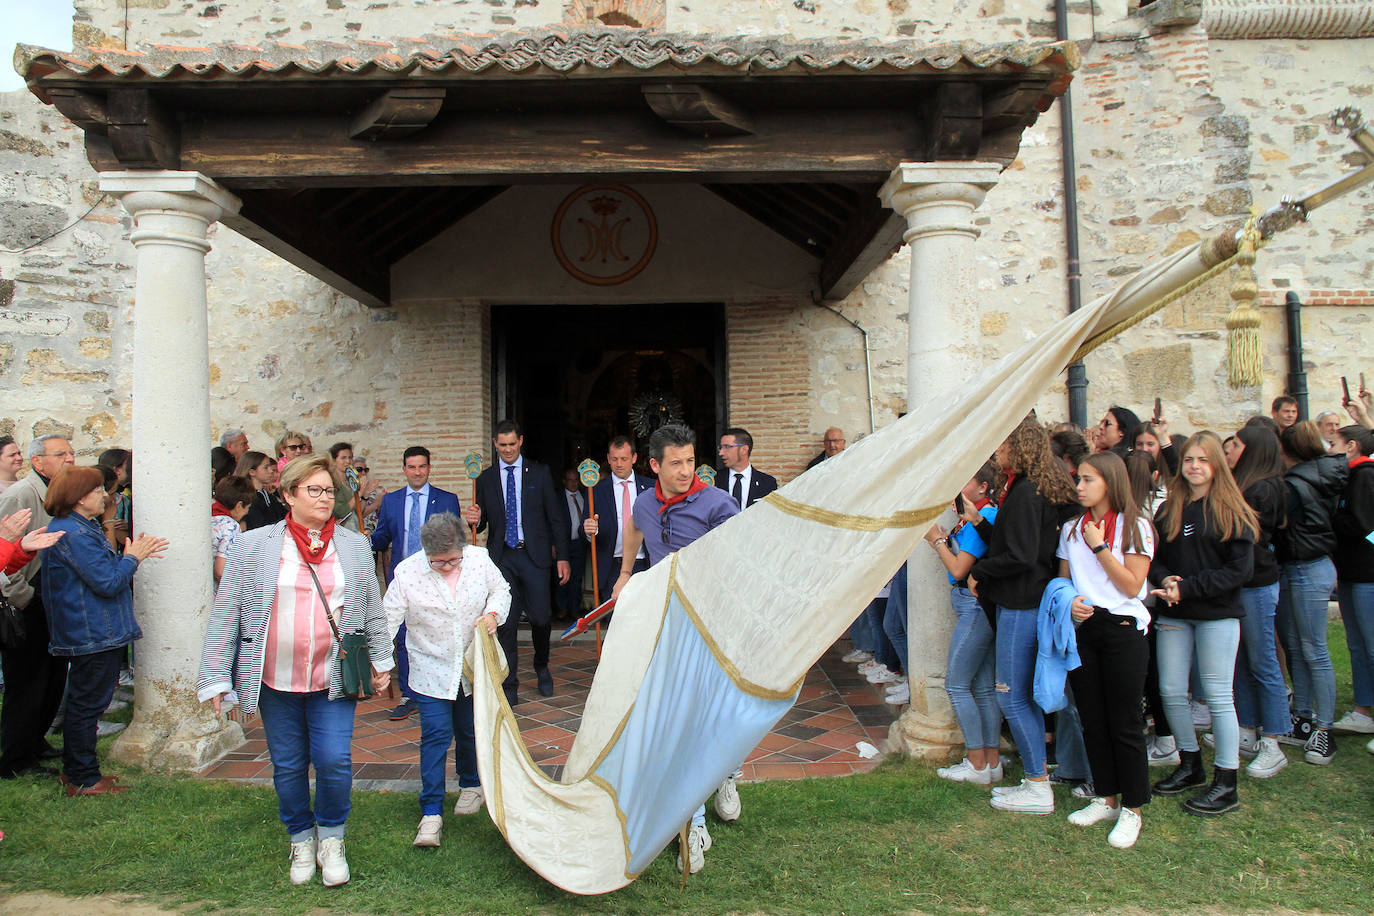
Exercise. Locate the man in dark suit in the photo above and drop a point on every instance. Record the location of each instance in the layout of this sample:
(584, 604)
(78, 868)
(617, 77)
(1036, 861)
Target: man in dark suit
(529, 533)
(614, 497)
(746, 483)
(398, 528)
(567, 598)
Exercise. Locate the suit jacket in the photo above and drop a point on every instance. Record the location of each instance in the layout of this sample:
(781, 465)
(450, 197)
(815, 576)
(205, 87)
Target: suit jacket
(391, 520)
(608, 510)
(760, 484)
(543, 513)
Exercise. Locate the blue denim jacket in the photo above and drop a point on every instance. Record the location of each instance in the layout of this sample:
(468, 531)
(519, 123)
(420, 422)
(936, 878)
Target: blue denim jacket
(1057, 645)
(87, 590)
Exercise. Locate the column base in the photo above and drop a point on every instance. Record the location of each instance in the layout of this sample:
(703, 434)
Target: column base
(168, 743)
(922, 738)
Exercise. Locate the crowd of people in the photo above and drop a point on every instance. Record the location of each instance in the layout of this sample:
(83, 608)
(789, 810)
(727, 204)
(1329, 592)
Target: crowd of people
(1143, 587)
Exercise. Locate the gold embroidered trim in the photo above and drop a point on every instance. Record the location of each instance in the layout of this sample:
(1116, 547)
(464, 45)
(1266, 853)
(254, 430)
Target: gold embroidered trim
(910, 519)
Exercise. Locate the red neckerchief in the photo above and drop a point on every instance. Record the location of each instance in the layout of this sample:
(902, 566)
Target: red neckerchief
(1011, 475)
(312, 548)
(1363, 459)
(217, 509)
(978, 505)
(1108, 534)
(664, 502)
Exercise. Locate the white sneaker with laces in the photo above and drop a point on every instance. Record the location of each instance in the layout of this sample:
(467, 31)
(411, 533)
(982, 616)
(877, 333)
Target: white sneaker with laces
(1126, 831)
(303, 861)
(961, 772)
(856, 656)
(333, 864)
(986, 776)
(1268, 761)
(469, 800)
(883, 675)
(728, 805)
(698, 842)
(1355, 722)
(899, 694)
(871, 665)
(1163, 752)
(1031, 797)
(1097, 811)
(431, 829)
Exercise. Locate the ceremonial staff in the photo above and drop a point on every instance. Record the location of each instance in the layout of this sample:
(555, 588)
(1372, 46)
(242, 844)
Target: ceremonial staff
(472, 466)
(589, 472)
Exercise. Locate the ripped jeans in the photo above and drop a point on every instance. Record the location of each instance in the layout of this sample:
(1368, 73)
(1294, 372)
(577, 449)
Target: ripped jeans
(1015, 675)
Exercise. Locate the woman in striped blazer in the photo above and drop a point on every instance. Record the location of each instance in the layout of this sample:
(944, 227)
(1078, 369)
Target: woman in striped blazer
(271, 647)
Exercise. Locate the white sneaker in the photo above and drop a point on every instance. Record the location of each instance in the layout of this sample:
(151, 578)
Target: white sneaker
(1249, 741)
(431, 829)
(871, 665)
(1163, 752)
(961, 772)
(1269, 760)
(1202, 716)
(1031, 797)
(899, 694)
(469, 800)
(1097, 811)
(1370, 746)
(303, 861)
(1126, 831)
(333, 865)
(728, 805)
(883, 675)
(856, 656)
(1355, 722)
(698, 842)
(103, 729)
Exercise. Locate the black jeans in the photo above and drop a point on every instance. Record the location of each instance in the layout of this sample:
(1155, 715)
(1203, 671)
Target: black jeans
(529, 595)
(1156, 704)
(91, 683)
(1108, 687)
(33, 690)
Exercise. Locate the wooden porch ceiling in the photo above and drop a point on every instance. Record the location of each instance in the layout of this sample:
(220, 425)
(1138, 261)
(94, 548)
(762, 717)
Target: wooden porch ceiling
(347, 159)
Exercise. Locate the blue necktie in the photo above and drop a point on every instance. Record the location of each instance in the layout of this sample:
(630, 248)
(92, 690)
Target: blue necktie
(413, 528)
(512, 521)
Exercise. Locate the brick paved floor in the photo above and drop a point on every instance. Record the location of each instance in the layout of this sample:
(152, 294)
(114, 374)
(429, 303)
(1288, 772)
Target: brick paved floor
(836, 709)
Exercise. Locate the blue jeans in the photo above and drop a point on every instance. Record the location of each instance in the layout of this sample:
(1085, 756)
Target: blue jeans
(883, 651)
(1304, 591)
(1214, 642)
(304, 729)
(1016, 645)
(440, 722)
(1261, 695)
(1357, 611)
(894, 617)
(1070, 750)
(969, 673)
(861, 633)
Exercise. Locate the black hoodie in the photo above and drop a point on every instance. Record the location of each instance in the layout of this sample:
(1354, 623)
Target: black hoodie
(1213, 571)
(1314, 491)
(1019, 561)
(1354, 520)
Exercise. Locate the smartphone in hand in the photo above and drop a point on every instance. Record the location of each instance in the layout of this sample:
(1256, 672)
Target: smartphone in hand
(1159, 411)
(1345, 391)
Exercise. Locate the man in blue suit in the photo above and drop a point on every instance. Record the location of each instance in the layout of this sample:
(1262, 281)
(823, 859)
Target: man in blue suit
(614, 497)
(529, 530)
(746, 483)
(398, 528)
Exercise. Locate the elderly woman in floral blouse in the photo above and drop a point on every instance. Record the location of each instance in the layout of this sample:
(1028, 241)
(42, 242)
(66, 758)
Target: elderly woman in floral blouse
(442, 593)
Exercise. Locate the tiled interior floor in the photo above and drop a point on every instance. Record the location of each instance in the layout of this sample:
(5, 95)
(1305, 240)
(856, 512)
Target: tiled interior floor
(837, 709)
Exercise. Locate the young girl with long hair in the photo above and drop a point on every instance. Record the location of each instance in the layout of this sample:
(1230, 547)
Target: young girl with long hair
(1009, 581)
(969, 674)
(1261, 695)
(1205, 556)
(1106, 552)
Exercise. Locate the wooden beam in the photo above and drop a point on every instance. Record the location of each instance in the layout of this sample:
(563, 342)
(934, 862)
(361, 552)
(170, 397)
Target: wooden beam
(84, 109)
(502, 148)
(956, 121)
(397, 114)
(697, 110)
(870, 239)
(143, 135)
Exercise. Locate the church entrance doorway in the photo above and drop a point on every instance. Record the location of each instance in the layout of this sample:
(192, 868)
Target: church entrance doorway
(574, 377)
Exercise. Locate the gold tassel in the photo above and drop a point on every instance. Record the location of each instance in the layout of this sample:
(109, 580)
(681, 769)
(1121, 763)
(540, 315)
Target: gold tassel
(1244, 363)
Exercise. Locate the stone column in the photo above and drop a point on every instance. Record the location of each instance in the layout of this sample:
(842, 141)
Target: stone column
(172, 212)
(937, 199)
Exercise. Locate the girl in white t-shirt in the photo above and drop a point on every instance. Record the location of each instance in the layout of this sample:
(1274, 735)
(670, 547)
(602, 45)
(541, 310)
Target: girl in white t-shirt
(1106, 552)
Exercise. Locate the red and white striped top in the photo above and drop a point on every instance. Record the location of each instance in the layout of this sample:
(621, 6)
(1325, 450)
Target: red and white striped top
(296, 659)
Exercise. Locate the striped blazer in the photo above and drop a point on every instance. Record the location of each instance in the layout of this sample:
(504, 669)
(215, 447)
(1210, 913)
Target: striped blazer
(235, 641)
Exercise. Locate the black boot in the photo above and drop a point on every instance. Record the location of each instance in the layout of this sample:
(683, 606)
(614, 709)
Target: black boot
(1187, 775)
(1218, 798)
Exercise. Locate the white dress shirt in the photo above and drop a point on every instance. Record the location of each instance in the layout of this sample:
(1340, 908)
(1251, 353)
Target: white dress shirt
(746, 476)
(618, 489)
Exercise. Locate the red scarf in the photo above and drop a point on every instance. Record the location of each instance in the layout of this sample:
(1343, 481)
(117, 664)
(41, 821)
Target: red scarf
(217, 509)
(1363, 459)
(312, 549)
(664, 502)
(1011, 475)
(1108, 535)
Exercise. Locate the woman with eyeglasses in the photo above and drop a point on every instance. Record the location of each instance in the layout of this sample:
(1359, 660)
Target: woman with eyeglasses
(441, 593)
(272, 645)
(291, 445)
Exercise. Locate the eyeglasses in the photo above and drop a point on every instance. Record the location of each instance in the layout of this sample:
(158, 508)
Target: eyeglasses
(59, 454)
(360, 467)
(734, 445)
(317, 492)
(446, 564)
(293, 448)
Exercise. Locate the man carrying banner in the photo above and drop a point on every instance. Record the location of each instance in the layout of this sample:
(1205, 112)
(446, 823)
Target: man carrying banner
(680, 508)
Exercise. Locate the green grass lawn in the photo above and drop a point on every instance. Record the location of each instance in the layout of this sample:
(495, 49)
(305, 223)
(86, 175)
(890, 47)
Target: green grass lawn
(896, 840)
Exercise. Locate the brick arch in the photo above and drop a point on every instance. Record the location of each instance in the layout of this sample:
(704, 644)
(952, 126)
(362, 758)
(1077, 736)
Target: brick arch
(640, 14)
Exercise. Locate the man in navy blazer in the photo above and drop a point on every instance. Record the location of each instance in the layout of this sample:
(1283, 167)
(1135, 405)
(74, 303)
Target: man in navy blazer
(395, 519)
(746, 483)
(610, 496)
(527, 532)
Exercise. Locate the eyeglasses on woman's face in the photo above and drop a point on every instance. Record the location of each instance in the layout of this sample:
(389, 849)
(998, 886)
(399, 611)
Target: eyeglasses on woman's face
(293, 447)
(441, 563)
(316, 492)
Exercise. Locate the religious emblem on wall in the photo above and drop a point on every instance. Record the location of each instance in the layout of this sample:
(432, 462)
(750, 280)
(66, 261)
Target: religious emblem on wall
(604, 234)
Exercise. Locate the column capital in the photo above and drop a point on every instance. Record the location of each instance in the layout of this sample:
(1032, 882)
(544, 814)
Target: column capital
(913, 184)
(189, 192)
